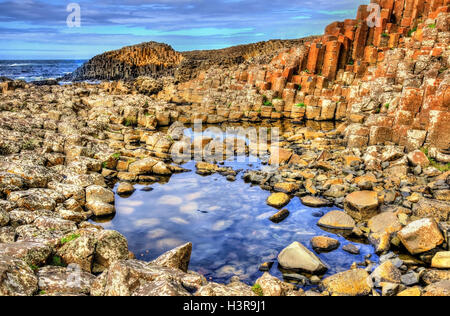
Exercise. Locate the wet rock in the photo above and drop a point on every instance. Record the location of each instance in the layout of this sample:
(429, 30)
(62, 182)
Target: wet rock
(111, 246)
(312, 201)
(438, 289)
(177, 258)
(16, 278)
(286, 187)
(34, 254)
(421, 236)
(60, 280)
(266, 266)
(324, 244)
(386, 272)
(36, 199)
(278, 200)
(298, 257)
(352, 249)
(280, 216)
(98, 200)
(362, 204)
(349, 283)
(441, 260)
(272, 286)
(337, 220)
(125, 188)
(144, 166)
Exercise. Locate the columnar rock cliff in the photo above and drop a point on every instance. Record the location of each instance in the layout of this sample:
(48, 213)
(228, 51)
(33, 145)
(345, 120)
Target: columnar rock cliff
(390, 83)
(152, 59)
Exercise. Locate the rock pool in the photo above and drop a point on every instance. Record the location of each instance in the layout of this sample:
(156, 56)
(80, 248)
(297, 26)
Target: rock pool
(226, 221)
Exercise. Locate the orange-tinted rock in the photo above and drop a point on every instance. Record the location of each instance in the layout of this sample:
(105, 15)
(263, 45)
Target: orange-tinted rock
(362, 204)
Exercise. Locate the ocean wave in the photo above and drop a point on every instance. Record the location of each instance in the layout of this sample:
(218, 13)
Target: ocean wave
(19, 65)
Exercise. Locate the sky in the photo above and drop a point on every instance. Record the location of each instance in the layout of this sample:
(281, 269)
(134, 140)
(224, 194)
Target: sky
(38, 29)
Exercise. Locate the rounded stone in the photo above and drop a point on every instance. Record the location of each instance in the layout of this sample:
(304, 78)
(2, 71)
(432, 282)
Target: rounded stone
(278, 200)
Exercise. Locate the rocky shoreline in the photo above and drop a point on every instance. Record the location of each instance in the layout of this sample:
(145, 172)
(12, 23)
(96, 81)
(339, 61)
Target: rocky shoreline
(386, 164)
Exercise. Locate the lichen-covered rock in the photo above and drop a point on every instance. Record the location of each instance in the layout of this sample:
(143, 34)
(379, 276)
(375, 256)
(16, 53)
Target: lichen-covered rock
(16, 278)
(177, 258)
(323, 243)
(111, 246)
(272, 286)
(386, 272)
(32, 253)
(64, 281)
(349, 283)
(127, 277)
(438, 289)
(162, 288)
(421, 236)
(78, 250)
(4, 218)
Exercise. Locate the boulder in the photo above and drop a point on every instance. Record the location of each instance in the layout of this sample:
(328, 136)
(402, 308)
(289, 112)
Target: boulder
(278, 200)
(234, 288)
(100, 208)
(144, 166)
(100, 194)
(272, 286)
(78, 250)
(111, 246)
(33, 253)
(162, 288)
(177, 258)
(337, 220)
(286, 187)
(362, 205)
(421, 236)
(125, 188)
(386, 272)
(441, 260)
(298, 257)
(64, 281)
(16, 278)
(349, 283)
(418, 158)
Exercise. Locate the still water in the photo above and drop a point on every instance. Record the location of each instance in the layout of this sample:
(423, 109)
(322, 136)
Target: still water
(227, 223)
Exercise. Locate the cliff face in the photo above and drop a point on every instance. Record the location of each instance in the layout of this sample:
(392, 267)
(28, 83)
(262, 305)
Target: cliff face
(389, 83)
(147, 59)
(158, 60)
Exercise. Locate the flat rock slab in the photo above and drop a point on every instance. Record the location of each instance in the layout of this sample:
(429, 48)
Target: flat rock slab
(298, 257)
(337, 220)
(362, 205)
(313, 201)
(421, 236)
(60, 280)
(32, 253)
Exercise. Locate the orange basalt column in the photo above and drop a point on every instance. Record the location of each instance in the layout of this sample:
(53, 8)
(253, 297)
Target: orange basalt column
(331, 60)
(315, 57)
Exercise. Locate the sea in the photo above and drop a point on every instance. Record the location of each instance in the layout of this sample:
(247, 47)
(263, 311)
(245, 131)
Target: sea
(37, 70)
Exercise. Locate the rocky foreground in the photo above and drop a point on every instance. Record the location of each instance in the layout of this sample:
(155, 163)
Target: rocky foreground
(386, 164)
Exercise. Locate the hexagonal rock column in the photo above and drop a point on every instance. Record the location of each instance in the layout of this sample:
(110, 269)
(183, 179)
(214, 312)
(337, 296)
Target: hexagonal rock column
(421, 236)
(362, 205)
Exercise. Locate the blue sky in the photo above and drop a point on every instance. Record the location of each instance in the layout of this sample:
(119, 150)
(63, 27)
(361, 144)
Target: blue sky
(37, 29)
